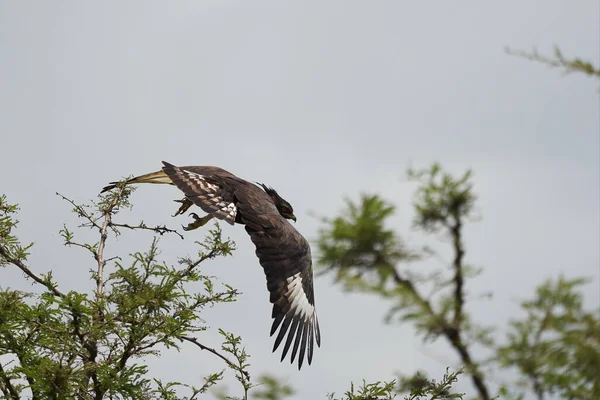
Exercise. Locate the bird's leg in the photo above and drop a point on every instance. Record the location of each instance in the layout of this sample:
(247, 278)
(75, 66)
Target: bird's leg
(185, 205)
(198, 222)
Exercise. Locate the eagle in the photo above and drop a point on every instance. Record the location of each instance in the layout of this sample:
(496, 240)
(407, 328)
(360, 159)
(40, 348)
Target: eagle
(282, 251)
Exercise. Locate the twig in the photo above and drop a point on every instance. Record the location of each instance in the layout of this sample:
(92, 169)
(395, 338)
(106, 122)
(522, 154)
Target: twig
(112, 258)
(191, 266)
(83, 246)
(161, 230)
(81, 211)
(203, 347)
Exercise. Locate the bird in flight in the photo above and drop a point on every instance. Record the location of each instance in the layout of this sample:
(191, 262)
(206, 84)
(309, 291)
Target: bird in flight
(283, 252)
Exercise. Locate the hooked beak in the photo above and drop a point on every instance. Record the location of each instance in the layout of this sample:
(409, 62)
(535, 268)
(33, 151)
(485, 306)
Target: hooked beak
(293, 217)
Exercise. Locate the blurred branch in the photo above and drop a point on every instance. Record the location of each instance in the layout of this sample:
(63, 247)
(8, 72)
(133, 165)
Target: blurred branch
(420, 386)
(558, 61)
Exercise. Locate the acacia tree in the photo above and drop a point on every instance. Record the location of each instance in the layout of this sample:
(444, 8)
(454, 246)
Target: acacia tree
(555, 348)
(57, 343)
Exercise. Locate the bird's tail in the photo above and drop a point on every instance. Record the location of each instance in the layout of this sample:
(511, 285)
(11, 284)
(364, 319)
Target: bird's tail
(153, 177)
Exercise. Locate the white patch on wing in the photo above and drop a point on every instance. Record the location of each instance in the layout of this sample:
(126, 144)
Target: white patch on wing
(210, 195)
(200, 181)
(298, 301)
(230, 212)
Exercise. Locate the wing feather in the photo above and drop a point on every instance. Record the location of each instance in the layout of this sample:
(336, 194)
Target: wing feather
(310, 344)
(299, 333)
(290, 336)
(284, 327)
(304, 344)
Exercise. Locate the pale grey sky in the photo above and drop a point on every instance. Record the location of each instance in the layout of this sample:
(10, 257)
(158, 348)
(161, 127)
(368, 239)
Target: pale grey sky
(322, 100)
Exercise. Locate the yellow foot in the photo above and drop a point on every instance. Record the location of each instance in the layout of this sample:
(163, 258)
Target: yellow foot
(198, 222)
(185, 205)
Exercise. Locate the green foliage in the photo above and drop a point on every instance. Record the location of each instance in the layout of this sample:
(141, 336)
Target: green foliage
(358, 247)
(415, 388)
(94, 344)
(10, 247)
(442, 201)
(270, 388)
(368, 391)
(232, 346)
(556, 348)
(365, 255)
(420, 387)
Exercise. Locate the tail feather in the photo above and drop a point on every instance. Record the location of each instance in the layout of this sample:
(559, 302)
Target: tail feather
(154, 177)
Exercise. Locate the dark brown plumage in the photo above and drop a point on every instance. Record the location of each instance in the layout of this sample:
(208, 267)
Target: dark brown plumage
(283, 253)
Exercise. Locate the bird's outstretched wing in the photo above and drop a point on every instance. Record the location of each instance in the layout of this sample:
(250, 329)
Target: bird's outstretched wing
(204, 189)
(286, 259)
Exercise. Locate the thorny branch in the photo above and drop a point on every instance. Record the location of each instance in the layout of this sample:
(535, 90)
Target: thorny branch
(558, 61)
(211, 254)
(161, 230)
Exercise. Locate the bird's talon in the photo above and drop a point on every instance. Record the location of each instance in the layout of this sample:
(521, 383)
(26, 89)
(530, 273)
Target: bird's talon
(198, 222)
(185, 205)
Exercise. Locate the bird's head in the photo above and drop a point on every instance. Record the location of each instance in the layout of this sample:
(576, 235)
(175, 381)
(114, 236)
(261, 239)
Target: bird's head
(284, 208)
